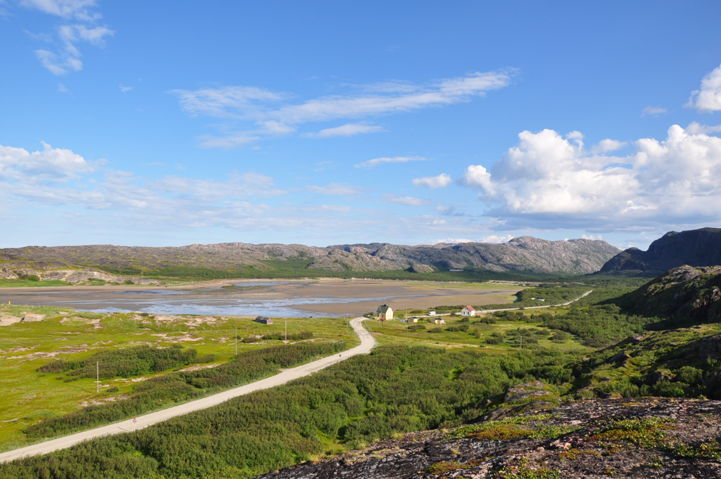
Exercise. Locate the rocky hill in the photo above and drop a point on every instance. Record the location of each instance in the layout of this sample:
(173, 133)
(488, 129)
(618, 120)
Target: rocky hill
(684, 294)
(524, 254)
(701, 247)
(599, 438)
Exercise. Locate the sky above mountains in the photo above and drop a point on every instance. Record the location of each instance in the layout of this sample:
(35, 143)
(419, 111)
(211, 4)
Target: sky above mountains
(177, 122)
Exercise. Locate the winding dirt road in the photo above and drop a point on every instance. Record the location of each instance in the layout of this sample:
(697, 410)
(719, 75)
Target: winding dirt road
(141, 422)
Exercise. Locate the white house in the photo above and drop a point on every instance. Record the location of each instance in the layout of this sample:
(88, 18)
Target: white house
(431, 313)
(468, 311)
(384, 312)
(439, 321)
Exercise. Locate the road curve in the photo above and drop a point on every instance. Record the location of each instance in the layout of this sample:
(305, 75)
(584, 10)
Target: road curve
(141, 422)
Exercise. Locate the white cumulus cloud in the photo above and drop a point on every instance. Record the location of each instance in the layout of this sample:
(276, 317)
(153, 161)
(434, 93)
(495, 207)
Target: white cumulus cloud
(608, 145)
(708, 97)
(48, 164)
(552, 180)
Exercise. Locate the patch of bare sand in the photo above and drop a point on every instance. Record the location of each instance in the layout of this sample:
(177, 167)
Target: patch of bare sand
(9, 320)
(176, 339)
(51, 354)
(198, 367)
(76, 319)
(101, 401)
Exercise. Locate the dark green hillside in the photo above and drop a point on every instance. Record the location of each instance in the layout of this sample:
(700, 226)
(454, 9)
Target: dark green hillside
(685, 295)
(682, 362)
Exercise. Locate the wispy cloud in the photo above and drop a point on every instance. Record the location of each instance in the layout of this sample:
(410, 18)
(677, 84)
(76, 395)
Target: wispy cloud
(406, 200)
(349, 129)
(433, 182)
(653, 111)
(388, 159)
(251, 106)
(334, 189)
(82, 10)
(227, 102)
(65, 56)
(696, 128)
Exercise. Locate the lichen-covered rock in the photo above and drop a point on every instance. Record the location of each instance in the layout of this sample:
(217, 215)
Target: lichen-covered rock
(659, 438)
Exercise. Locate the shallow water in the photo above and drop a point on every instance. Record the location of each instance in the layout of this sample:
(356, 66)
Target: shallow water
(238, 299)
(225, 307)
(283, 298)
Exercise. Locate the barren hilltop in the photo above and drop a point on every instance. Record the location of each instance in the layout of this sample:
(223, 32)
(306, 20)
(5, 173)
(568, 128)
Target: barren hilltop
(523, 254)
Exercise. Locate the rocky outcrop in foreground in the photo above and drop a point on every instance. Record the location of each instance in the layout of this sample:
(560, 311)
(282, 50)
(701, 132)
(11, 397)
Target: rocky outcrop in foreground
(524, 254)
(600, 438)
(701, 247)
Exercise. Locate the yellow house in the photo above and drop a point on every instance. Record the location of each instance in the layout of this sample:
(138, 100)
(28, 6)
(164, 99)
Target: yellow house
(384, 312)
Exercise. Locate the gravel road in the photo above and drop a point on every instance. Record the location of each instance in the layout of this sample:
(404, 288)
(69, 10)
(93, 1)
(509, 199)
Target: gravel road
(141, 422)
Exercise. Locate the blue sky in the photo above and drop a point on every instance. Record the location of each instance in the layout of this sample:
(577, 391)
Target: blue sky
(178, 122)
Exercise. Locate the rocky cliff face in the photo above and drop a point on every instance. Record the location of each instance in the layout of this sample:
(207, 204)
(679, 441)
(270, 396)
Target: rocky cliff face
(700, 247)
(643, 438)
(524, 254)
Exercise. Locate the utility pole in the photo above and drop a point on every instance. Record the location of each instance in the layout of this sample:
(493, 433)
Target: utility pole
(286, 331)
(97, 377)
(236, 339)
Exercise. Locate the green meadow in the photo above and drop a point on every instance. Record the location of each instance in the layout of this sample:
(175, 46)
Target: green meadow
(30, 396)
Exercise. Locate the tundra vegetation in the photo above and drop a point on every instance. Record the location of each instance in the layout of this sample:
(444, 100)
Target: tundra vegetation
(423, 375)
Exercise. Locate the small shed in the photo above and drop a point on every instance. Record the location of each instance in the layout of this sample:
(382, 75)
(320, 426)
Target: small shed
(468, 311)
(384, 312)
(263, 320)
(439, 321)
(431, 313)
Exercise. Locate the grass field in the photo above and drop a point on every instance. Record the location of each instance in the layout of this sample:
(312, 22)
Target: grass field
(396, 332)
(28, 283)
(29, 396)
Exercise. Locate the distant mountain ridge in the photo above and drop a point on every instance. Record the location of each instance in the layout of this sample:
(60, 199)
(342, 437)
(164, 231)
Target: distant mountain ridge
(701, 247)
(523, 254)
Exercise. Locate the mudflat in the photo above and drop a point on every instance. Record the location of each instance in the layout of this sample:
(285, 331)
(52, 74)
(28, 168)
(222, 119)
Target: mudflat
(274, 297)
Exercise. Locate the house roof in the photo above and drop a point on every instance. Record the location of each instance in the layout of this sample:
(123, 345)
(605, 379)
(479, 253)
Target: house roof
(469, 307)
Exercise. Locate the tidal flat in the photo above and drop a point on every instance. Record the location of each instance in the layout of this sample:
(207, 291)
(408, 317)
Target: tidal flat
(276, 298)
